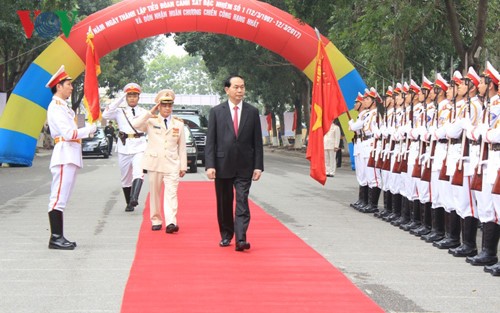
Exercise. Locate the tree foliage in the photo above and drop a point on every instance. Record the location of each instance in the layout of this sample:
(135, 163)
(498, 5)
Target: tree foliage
(184, 75)
(384, 39)
(16, 50)
(273, 84)
(119, 67)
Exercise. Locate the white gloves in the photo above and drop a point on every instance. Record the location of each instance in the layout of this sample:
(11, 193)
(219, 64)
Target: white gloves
(117, 102)
(465, 123)
(92, 129)
(481, 130)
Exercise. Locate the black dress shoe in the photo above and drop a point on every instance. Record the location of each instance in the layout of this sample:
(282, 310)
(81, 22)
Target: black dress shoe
(156, 227)
(225, 242)
(242, 245)
(129, 208)
(60, 243)
(171, 228)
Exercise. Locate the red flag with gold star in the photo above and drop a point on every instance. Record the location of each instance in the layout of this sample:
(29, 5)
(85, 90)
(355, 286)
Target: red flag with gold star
(327, 104)
(90, 83)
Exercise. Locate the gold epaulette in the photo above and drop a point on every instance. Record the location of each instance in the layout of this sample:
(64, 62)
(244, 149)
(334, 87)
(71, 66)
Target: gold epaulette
(60, 103)
(178, 118)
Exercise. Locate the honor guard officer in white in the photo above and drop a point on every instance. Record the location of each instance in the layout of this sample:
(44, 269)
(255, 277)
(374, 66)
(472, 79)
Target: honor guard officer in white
(488, 215)
(493, 136)
(66, 157)
(357, 128)
(385, 124)
(131, 143)
(423, 118)
(459, 170)
(370, 128)
(165, 158)
(394, 182)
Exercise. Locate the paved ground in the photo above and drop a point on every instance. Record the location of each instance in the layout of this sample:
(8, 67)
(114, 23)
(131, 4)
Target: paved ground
(399, 271)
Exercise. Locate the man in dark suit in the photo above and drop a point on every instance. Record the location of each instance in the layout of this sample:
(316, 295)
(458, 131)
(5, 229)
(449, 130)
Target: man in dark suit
(234, 157)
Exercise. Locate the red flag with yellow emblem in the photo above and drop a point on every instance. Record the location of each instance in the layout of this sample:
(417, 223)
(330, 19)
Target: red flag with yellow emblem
(90, 83)
(327, 104)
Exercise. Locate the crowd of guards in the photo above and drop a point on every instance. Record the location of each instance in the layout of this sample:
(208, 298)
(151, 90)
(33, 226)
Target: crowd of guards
(434, 152)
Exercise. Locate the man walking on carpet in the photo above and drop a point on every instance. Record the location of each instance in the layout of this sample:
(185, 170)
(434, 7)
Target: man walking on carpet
(234, 156)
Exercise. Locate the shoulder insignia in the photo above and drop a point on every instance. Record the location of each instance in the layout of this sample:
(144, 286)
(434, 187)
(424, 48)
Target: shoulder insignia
(178, 118)
(58, 102)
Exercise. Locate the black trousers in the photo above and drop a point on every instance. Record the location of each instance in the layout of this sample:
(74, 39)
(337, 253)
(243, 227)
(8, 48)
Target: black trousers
(110, 145)
(230, 224)
(338, 157)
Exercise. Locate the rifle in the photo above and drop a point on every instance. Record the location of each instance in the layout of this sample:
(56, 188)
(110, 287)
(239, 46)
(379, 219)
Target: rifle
(458, 176)
(496, 185)
(417, 167)
(444, 167)
(427, 172)
(477, 179)
(403, 167)
(380, 161)
(397, 162)
(371, 160)
(387, 158)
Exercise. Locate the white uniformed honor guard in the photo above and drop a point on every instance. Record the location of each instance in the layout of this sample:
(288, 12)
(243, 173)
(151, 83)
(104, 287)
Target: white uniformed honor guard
(66, 157)
(131, 143)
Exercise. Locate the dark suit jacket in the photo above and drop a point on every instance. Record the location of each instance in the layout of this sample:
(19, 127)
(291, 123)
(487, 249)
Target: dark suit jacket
(233, 156)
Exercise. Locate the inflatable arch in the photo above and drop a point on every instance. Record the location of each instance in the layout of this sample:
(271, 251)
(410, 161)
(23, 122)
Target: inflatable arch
(131, 20)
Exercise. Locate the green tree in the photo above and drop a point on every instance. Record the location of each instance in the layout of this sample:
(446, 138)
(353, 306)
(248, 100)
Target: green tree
(185, 75)
(119, 67)
(272, 82)
(17, 51)
(384, 39)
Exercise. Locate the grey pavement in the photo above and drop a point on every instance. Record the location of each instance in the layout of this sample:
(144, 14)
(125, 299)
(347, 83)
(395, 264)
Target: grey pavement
(399, 271)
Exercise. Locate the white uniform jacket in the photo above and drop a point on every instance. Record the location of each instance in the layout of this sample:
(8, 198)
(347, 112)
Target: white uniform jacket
(64, 130)
(120, 114)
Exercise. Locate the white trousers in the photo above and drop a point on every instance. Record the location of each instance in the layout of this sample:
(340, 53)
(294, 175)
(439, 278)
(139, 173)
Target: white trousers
(465, 199)
(446, 195)
(424, 192)
(130, 167)
(373, 176)
(330, 161)
(386, 180)
(360, 164)
(438, 189)
(170, 204)
(485, 206)
(63, 182)
(496, 205)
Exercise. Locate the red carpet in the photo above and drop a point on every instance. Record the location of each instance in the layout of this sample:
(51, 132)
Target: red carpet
(189, 272)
